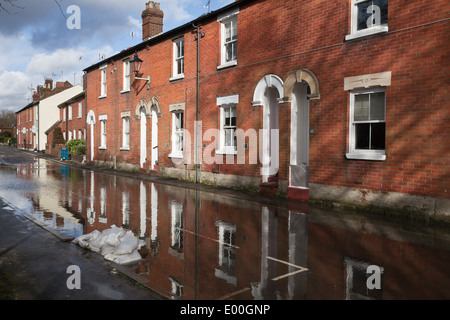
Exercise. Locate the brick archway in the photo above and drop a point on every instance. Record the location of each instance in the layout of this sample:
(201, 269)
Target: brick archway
(302, 76)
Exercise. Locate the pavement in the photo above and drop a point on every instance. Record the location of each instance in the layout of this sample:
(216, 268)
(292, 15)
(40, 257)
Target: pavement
(36, 261)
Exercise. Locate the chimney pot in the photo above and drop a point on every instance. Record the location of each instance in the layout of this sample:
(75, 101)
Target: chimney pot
(152, 20)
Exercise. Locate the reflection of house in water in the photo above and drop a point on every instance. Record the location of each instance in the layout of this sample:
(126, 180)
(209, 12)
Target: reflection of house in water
(204, 245)
(53, 206)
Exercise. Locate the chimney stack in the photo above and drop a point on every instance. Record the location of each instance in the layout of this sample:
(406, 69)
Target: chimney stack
(152, 20)
(48, 83)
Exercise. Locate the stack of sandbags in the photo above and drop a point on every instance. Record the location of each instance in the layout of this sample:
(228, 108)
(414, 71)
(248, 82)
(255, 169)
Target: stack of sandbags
(114, 244)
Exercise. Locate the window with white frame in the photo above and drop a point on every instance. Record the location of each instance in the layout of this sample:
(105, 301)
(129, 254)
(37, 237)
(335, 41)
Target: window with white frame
(103, 119)
(126, 76)
(229, 36)
(227, 124)
(80, 134)
(368, 17)
(368, 124)
(177, 288)
(126, 133)
(176, 228)
(70, 112)
(357, 279)
(70, 135)
(228, 115)
(80, 109)
(103, 202)
(177, 133)
(226, 254)
(64, 114)
(103, 72)
(74, 133)
(178, 59)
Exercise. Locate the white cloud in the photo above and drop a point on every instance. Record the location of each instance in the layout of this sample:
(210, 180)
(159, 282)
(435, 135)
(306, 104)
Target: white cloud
(35, 43)
(14, 90)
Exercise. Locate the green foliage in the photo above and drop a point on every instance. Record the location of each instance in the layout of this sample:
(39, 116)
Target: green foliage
(76, 145)
(80, 149)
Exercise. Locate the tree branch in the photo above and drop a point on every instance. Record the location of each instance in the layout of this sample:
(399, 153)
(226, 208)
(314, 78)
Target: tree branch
(9, 2)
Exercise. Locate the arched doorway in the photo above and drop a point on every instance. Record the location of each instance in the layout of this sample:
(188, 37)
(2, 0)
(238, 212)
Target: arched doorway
(155, 114)
(143, 135)
(300, 87)
(91, 122)
(142, 113)
(154, 163)
(267, 94)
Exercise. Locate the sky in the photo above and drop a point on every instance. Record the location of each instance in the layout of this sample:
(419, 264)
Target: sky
(36, 42)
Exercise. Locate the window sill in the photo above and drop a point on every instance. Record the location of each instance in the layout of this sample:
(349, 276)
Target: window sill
(124, 91)
(226, 151)
(176, 155)
(101, 148)
(227, 65)
(366, 32)
(102, 97)
(177, 77)
(361, 155)
(124, 149)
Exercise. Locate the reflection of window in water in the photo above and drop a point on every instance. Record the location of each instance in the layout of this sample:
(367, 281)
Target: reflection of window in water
(356, 281)
(125, 210)
(102, 217)
(177, 288)
(226, 238)
(177, 226)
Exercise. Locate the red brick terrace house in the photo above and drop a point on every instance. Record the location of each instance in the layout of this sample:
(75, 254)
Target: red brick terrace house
(26, 129)
(28, 124)
(341, 101)
(72, 115)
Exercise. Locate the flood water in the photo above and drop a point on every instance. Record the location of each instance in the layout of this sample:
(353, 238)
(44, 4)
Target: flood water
(205, 246)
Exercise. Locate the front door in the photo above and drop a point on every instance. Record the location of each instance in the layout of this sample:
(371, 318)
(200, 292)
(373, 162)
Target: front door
(299, 157)
(270, 134)
(143, 136)
(154, 137)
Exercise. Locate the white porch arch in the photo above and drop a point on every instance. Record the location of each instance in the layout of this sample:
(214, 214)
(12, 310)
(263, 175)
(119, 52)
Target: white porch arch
(268, 94)
(269, 80)
(299, 88)
(91, 122)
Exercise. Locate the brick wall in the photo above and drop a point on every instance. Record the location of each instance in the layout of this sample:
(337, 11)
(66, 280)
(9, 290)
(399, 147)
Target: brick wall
(278, 38)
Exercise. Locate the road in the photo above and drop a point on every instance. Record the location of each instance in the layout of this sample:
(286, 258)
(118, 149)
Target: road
(34, 260)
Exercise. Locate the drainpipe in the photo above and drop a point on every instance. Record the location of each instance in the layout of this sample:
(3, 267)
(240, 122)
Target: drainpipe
(38, 127)
(197, 38)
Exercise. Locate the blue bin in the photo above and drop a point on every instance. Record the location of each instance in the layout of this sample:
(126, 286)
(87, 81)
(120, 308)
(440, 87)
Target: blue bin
(64, 153)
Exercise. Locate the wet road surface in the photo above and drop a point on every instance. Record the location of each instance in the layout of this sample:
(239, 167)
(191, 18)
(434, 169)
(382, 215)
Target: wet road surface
(222, 246)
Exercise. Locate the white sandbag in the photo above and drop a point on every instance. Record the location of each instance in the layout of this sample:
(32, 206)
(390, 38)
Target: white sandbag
(107, 249)
(128, 243)
(83, 240)
(124, 259)
(110, 236)
(115, 244)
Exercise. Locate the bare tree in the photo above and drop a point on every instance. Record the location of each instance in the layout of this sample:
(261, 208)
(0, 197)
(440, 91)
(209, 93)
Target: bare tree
(8, 5)
(7, 118)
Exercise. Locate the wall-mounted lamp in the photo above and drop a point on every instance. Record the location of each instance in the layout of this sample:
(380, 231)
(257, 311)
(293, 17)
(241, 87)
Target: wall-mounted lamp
(136, 65)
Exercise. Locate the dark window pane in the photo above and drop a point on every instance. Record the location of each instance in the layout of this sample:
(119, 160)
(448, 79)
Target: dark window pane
(378, 136)
(371, 16)
(362, 104)
(362, 132)
(377, 101)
